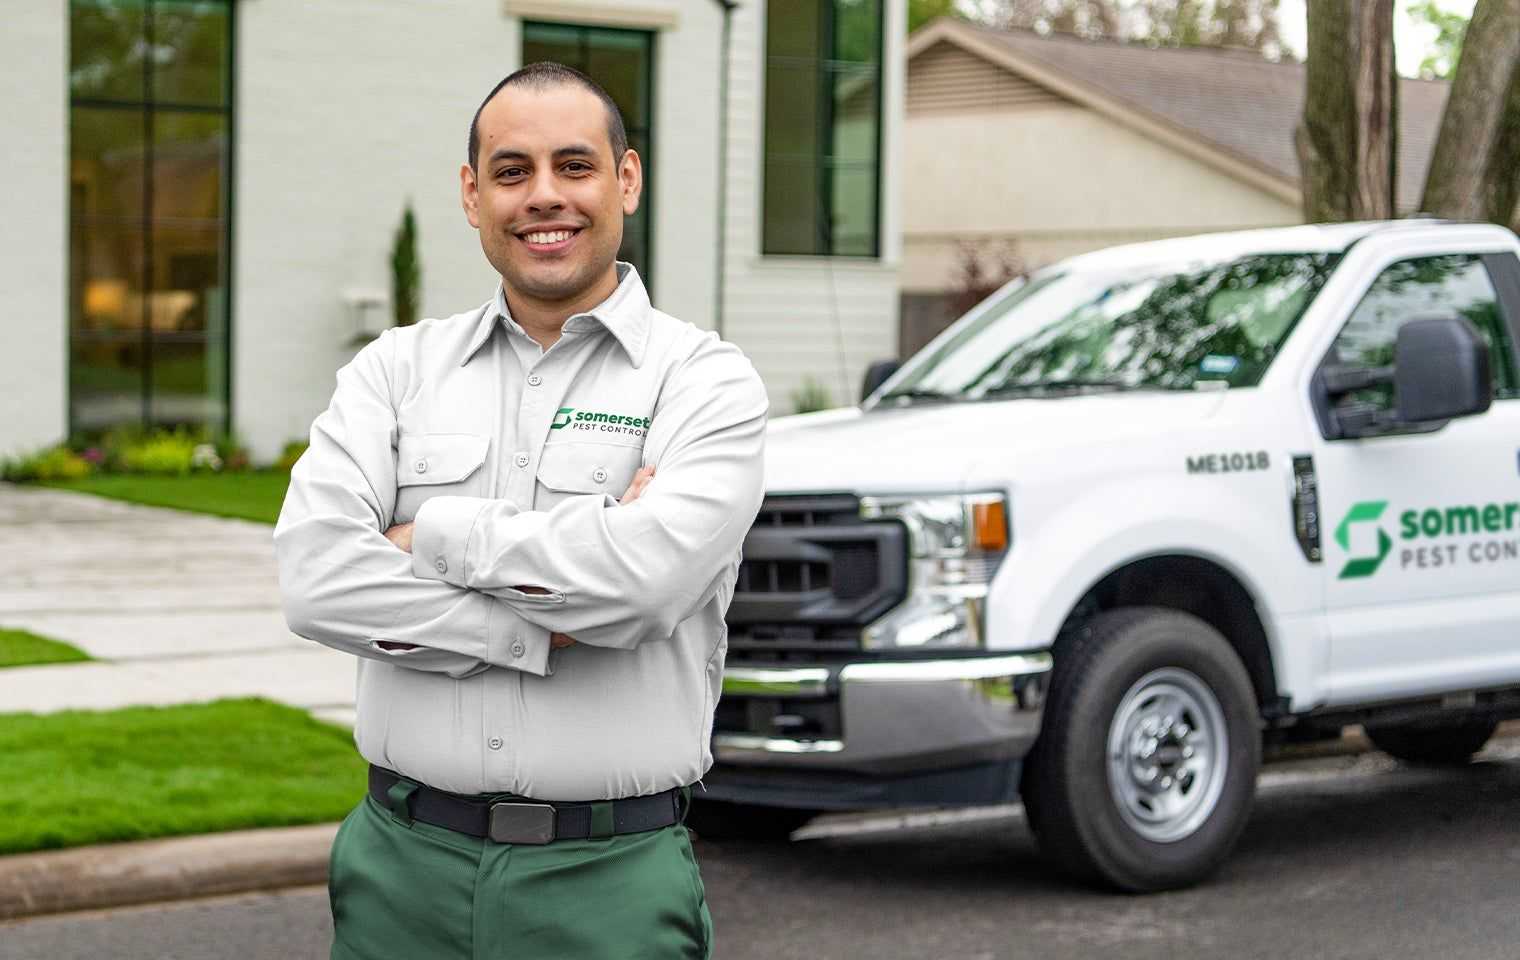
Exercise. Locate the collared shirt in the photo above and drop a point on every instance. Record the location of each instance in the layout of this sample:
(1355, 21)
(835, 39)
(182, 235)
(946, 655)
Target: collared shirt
(509, 458)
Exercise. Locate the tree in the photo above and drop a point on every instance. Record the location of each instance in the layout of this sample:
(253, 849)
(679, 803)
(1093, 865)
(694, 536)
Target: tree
(1473, 168)
(1446, 46)
(1347, 141)
(406, 271)
(1175, 23)
(921, 12)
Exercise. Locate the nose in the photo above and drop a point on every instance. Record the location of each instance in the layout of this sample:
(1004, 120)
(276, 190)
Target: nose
(544, 195)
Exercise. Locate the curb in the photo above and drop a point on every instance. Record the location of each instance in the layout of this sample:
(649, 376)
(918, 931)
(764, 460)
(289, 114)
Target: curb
(151, 871)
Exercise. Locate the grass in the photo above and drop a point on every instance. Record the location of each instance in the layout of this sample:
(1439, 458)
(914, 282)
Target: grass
(21, 648)
(249, 495)
(83, 777)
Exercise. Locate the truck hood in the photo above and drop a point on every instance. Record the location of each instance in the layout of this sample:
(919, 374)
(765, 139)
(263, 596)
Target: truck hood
(943, 446)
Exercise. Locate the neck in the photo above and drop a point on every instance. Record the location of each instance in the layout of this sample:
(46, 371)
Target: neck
(543, 319)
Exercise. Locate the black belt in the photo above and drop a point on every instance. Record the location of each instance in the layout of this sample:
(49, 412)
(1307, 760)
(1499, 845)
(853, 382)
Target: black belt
(523, 820)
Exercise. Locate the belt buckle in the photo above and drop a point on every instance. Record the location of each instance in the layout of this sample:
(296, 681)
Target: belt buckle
(513, 822)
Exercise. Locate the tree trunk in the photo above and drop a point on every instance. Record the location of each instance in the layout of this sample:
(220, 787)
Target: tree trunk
(1468, 164)
(1346, 141)
(1503, 200)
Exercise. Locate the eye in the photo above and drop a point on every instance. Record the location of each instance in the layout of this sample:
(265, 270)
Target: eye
(508, 172)
(578, 166)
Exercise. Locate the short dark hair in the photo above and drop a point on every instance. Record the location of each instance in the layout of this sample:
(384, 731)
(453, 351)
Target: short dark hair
(541, 76)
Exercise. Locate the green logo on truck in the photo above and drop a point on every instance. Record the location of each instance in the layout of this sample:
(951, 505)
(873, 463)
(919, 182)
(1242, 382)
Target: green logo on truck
(1368, 511)
(1439, 524)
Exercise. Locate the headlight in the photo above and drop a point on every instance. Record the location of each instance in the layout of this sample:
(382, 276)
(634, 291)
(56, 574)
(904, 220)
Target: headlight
(954, 546)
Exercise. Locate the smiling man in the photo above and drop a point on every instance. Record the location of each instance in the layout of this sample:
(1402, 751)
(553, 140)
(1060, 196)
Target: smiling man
(539, 658)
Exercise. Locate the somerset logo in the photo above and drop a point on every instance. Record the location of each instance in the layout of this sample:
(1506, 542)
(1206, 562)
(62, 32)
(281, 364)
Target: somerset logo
(1368, 511)
(598, 421)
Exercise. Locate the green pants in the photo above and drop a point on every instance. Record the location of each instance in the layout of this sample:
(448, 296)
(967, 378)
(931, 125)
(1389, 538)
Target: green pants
(413, 891)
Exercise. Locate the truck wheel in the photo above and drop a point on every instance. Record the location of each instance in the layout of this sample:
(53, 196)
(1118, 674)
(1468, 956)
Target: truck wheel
(1451, 742)
(1145, 769)
(721, 820)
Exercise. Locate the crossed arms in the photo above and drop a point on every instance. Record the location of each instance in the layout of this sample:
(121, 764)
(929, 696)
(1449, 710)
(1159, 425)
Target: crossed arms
(612, 576)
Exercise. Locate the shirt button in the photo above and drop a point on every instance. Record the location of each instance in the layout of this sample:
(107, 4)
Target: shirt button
(441, 565)
(420, 466)
(521, 459)
(534, 379)
(517, 648)
(600, 475)
(494, 743)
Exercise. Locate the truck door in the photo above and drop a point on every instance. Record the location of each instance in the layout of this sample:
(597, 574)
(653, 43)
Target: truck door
(1421, 524)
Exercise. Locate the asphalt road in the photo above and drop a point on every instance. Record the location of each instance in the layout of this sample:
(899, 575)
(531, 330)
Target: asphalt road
(1344, 858)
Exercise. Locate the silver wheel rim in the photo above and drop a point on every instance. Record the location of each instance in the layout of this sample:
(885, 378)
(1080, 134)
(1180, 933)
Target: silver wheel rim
(1168, 755)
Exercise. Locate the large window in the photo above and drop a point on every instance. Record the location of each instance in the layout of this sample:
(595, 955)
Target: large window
(149, 138)
(823, 127)
(622, 61)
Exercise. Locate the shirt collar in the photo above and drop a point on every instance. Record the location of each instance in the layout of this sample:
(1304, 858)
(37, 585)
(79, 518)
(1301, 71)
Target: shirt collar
(625, 313)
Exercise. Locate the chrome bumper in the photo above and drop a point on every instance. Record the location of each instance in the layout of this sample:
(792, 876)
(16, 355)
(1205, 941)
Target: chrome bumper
(898, 715)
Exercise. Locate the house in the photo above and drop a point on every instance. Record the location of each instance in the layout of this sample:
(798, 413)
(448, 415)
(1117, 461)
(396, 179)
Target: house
(202, 235)
(1053, 146)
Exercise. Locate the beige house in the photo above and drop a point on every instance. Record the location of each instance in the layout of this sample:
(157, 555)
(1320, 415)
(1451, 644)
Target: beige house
(1053, 146)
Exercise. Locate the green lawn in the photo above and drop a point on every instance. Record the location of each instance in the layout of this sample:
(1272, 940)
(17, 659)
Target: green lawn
(84, 777)
(21, 648)
(251, 495)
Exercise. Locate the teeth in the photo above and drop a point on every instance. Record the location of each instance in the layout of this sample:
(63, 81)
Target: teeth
(553, 237)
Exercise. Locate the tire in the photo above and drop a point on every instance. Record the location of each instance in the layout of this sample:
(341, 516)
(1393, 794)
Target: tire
(722, 820)
(1117, 680)
(1448, 743)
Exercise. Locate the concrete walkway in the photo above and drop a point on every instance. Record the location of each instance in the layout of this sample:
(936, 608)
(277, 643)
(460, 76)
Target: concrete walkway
(179, 607)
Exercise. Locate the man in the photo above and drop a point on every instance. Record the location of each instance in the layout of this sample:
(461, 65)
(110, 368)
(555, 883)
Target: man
(539, 661)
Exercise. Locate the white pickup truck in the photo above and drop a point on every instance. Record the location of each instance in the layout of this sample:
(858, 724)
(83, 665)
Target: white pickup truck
(1126, 520)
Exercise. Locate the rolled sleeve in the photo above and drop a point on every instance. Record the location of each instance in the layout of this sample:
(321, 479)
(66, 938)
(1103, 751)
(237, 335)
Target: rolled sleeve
(616, 575)
(343, 583)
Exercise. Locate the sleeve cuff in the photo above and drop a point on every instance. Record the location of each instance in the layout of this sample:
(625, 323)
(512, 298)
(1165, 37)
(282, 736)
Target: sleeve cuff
(516, 644)
(440, 537)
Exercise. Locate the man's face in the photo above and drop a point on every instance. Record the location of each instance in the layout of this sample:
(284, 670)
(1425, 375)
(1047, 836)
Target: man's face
(548, 197)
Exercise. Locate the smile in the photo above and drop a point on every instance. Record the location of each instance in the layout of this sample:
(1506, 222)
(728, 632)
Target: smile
(548, 241)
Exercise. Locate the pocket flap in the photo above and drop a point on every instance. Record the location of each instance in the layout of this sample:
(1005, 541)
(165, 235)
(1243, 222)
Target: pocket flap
(438, 457)
(584, 467)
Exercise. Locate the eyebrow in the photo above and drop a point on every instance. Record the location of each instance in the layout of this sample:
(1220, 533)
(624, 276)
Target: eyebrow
(563, 153)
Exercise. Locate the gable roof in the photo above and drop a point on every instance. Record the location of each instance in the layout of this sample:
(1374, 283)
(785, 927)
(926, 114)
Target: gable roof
(1231, 108)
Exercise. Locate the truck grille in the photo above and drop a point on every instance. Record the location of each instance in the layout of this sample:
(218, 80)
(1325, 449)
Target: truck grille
(812, 574)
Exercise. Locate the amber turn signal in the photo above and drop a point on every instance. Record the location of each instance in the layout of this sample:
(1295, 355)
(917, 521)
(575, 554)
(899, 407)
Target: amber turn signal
(989, 525)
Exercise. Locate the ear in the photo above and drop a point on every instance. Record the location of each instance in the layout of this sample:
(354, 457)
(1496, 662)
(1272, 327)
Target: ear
(631, 180)
(469, 195)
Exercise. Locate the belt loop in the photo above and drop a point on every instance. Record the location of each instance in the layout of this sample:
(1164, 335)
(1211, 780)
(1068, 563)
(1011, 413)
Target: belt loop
(683, 803)
(400, 799)
(601, 819)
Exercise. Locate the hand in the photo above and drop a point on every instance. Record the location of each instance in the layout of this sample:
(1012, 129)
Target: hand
(640, 481)
(401, 536)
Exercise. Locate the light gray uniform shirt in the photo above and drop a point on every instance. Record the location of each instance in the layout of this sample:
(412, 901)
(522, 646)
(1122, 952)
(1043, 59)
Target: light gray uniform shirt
(510, 458)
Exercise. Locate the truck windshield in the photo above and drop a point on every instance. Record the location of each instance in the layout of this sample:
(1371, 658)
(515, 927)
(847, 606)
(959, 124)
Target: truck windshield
(1158, 326)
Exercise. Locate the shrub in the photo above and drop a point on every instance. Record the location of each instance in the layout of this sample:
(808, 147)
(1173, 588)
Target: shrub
(811, 396)
(164, 452)
(291, 453)
(57, 462)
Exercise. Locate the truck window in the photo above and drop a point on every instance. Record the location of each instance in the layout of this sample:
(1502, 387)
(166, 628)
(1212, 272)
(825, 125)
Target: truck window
(1424, 287)
(1162, 325)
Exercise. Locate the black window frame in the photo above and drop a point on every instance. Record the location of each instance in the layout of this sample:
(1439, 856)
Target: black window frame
(823, 214)
(149, 108)
(646, 131)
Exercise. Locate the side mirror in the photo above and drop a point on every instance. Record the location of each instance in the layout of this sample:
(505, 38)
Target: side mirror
(877, 374)
(1440, 370)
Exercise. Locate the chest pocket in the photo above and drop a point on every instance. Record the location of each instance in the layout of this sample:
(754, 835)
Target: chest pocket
(582, 466)
(437, 465)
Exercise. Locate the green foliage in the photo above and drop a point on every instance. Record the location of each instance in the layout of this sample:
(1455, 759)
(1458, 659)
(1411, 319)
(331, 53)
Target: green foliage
(406, 271)
(290, 454)
(1446, 45)
(163, 452)
(57, 462)
(811, 396)
(921, 12)
(22, 648)
(82, 777)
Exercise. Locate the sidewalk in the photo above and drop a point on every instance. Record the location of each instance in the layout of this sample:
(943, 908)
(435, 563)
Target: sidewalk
(179, 607)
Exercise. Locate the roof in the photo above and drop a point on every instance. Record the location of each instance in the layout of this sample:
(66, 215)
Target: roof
(1234, 102)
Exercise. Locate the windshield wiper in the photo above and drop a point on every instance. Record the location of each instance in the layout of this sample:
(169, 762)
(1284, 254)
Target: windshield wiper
(918, 393)
(1042, 386)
